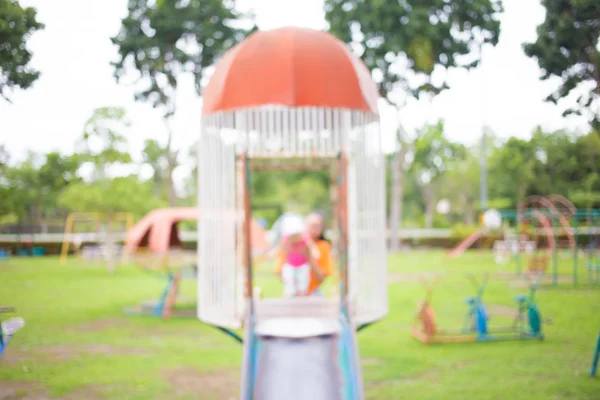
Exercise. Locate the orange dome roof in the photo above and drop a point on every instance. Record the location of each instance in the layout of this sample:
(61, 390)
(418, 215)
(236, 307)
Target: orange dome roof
(294, 67)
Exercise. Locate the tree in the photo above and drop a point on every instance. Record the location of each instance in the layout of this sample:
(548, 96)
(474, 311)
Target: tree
(395, 36)
(567, 47)
(154, 155)
(433, 156)
(102, 143)
(162, 39)
(102, 146)
(121, 194)
(460, 185)
(33, 185)
(403, 42)
(16, 25)
(398, 170)
(512, 169)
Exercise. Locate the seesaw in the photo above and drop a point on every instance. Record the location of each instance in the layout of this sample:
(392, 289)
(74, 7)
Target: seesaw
(8, 327)
(527, 323)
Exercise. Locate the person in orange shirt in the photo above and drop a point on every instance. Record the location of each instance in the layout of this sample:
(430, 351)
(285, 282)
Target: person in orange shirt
(321, 266)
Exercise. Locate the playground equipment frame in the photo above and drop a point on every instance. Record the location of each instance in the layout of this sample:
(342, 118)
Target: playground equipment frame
(97, 219)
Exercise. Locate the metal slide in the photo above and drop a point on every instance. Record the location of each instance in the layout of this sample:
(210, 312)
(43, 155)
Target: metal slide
(313, 368)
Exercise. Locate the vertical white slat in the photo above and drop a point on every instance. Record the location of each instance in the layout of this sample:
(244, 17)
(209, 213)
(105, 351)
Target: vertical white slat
(293, 130)
(209, 262)
(279, 131)
(363, 250)
(299, 128)
(271, 134)
(369, 214)
(352, 210)
(285, 132)
(309, 129)
(337, 126)
(329, 127)
(241, 139)
(224, 220)
(217, 221)
(262, 131)
(316, 131)
(321, 132)
(201, 196)
(382, 226)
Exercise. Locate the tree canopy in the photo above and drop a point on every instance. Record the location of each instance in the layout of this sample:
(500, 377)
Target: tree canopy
(16, 26)
(567, 48)
(394, 37)
(163, 39)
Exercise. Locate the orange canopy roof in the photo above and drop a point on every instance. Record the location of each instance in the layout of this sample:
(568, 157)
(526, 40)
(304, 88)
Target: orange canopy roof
(295, 67)
(158, 230)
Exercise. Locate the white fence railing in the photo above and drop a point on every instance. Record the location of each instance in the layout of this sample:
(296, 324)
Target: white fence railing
(190, 236)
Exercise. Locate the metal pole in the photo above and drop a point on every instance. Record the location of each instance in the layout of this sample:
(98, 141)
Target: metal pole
(555, 253)
(483, 181)
(576, 250)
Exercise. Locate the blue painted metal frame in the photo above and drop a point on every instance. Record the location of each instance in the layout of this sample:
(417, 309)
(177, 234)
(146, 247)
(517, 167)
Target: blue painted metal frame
(596, 357)
(159, 307)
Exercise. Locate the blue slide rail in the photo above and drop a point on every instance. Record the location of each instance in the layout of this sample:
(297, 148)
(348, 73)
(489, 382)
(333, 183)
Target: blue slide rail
(349, 363)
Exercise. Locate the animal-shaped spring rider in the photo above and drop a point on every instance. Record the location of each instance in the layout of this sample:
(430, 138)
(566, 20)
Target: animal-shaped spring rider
(425, 328)
(477, 317)
(596, 357)
(8, 328)
(527, 323)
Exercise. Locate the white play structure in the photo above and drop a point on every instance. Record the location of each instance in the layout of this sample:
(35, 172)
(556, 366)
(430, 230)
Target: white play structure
(312, 105)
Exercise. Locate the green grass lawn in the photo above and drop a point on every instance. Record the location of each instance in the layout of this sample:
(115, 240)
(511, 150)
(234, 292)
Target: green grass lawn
(77, 343)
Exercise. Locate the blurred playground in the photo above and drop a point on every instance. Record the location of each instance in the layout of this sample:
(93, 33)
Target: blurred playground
(78, 343)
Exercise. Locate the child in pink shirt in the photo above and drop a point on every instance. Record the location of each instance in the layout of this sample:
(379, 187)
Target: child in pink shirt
(299, 250)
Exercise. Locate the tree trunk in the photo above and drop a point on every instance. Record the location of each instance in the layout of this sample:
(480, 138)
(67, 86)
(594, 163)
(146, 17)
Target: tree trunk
(428, 194)
(171, 165)
(396, 198)
(172, 193)
(38, 214)
(469, 212)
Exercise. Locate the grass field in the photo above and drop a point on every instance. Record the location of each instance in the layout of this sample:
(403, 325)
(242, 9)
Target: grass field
(77, 344)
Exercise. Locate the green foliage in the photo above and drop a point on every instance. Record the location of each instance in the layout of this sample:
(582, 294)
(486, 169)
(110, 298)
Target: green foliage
(434, 154)
(103, 142)
(392, 36)
(462, 231)
(512, 167)
(277, 191)
(34, 184)
(567, 47)
(155, 155)
(16, 26)
(163, 39)
(122, 194)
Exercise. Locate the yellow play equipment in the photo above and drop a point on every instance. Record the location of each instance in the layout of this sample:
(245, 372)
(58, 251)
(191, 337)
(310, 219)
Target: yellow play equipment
(92, 222)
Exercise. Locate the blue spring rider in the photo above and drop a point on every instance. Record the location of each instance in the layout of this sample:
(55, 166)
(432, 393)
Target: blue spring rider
(526, 325)
(477, 317)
